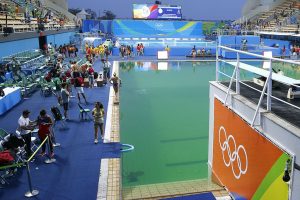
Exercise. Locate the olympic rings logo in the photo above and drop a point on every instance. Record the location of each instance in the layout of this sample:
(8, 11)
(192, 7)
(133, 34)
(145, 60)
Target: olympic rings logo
(233, 157)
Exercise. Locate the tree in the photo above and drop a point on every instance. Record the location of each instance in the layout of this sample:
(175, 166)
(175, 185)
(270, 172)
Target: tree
(108, 15)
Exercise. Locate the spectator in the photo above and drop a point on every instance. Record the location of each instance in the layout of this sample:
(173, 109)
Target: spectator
(25, 128)
(91, 71)
(45, 122)
(98, 114)
(65, 99)
(78, 85)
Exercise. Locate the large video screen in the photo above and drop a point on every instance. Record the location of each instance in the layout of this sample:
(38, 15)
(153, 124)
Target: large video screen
(154, 11)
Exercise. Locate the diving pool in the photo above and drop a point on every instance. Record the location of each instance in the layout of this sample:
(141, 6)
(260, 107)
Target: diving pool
(164, 113)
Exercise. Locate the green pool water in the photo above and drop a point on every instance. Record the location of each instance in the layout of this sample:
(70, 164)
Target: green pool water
(165, 115)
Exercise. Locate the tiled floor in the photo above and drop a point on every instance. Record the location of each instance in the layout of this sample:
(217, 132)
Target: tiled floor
(156, 191)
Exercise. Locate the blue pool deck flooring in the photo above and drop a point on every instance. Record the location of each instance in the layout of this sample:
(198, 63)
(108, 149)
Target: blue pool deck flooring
(75, 174)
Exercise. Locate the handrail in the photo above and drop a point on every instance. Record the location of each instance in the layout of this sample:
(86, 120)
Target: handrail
(267, 85)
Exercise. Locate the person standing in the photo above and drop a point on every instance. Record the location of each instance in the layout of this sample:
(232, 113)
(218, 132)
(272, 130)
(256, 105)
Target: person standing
(78, 86)
(45, 122)
(106, 70)
(283, 52)
(65, 99)
(98, 114)
(25, 128)
(90, 72)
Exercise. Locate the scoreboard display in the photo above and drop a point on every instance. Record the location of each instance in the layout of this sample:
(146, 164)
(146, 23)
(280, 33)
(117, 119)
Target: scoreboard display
(154, 11)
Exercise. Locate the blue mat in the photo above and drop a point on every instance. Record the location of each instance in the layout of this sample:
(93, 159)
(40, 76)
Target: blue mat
(202, 196)
(75, 174)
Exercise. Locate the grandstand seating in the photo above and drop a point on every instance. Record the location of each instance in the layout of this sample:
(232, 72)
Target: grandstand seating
(16, 17)
(282, 18)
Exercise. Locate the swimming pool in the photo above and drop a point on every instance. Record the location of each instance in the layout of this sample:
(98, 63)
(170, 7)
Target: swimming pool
(165, 116)
(164, 112)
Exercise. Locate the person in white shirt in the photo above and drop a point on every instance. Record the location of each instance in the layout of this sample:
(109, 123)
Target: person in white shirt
(25, 128)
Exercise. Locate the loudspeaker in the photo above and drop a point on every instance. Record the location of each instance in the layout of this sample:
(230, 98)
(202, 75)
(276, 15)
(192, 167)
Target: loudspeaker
(8, 30)
(41, 27)
(43, 42)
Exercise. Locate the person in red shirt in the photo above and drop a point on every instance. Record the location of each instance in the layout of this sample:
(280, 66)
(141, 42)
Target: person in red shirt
(90, 71)
(44, 123)
(138, 49)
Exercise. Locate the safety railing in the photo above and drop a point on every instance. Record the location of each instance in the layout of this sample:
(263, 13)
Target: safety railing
(32, 192)
(268, 74)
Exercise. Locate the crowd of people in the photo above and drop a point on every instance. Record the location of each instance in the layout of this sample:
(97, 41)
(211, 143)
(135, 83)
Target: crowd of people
(200, 52)
(127, 51)
(66, 80)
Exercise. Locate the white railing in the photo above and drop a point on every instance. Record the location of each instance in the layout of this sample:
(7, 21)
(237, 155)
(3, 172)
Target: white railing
(268, 74)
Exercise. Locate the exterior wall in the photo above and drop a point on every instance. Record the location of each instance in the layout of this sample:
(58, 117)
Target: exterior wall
(21, 43)
(273, 128)
(60, 39)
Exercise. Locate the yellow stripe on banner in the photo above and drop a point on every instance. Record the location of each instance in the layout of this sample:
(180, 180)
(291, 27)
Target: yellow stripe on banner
(185, 27)
(277, 190)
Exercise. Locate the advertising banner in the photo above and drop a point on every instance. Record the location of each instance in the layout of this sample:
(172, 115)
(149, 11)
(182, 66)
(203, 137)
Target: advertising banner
(155, 28)
(247, 163)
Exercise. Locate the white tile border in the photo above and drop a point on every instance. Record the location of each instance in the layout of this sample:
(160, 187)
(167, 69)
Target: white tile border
(107, 132)
(102, 184)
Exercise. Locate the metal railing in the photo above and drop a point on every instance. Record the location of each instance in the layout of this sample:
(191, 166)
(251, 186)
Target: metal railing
(267, 87)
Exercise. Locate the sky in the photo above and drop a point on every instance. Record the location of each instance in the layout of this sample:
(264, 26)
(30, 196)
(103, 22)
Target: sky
(191, 9)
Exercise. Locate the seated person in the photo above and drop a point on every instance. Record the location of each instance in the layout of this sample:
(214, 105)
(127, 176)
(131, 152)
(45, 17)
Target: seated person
(2, 94)
(208, 52)
(203, 51)
(198, 52)
(193, 53)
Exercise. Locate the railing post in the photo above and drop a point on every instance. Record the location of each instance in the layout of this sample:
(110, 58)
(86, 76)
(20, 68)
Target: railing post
(237, 75)
(269, 91)
(31, 192)
(217, 63)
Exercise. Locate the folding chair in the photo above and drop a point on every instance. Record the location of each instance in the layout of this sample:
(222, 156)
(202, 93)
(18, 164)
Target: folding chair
(33, 140)
(85, 112)
(3, 134)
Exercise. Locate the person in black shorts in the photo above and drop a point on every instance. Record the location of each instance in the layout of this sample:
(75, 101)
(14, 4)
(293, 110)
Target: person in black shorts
(65, 99)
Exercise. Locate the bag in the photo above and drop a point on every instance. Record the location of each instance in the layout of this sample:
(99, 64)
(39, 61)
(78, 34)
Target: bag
(56, 113)
(95, 75)
(13, 142)
(6, 158)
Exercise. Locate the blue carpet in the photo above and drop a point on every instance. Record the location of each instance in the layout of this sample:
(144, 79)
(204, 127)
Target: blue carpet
(202, 196)
(75, 173)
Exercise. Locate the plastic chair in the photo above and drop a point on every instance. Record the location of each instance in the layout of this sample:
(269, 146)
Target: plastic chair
(3, 134)
(83, 111)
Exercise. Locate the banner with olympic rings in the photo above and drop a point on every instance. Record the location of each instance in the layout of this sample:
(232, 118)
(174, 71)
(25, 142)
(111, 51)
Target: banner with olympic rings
(244, 161)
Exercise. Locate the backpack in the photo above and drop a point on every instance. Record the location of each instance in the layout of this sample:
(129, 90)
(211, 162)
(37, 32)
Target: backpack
(56, 113)
(95, 75)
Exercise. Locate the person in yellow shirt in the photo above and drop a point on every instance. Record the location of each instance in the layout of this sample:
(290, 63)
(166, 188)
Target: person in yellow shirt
(167, 49)
(98, 114)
